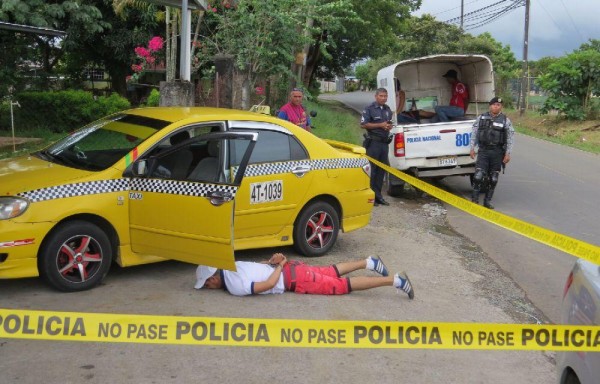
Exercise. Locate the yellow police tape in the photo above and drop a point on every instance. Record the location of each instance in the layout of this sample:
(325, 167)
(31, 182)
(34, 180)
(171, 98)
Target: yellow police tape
(564, 243)
(119, 328)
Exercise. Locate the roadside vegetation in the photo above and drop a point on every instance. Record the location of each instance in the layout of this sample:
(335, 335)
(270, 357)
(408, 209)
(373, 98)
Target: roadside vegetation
(337, 122)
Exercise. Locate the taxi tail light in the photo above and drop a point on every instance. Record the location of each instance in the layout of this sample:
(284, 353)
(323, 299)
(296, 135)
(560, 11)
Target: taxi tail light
(367, 169)
(568, 284)
(399, 145)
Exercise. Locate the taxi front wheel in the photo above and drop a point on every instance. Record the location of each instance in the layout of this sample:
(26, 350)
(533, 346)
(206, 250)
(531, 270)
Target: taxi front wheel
(316, 229)
(76, 256)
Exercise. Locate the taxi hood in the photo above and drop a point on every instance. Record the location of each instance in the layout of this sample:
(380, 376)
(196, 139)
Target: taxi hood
(28, 173)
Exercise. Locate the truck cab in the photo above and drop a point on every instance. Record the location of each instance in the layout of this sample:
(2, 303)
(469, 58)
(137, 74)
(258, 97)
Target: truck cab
(426, 148)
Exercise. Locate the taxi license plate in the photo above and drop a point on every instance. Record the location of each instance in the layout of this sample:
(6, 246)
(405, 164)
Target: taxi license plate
(446, 161)
(266, 192)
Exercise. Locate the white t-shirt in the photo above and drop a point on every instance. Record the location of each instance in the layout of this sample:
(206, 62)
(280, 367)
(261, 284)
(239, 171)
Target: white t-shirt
(241, 283)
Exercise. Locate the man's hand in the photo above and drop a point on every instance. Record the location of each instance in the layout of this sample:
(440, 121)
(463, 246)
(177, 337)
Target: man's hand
(506, 158)
(278, 258)
(472, 153)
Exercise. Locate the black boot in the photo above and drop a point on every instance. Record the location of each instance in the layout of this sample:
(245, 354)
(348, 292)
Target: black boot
(487, 201)
(475, 196)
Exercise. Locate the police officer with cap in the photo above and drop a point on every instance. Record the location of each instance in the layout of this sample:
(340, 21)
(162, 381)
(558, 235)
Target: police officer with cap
(493, 134)
(376, 119)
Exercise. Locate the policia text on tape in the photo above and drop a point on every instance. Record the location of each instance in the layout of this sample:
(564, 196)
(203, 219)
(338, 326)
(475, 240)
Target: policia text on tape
(119, 328)
(564, 243)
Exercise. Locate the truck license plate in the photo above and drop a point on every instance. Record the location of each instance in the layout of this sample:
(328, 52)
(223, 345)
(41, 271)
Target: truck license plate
(266, 192)
(446, 161)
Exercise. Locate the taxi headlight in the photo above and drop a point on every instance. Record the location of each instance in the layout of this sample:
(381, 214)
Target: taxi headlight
(11, 207)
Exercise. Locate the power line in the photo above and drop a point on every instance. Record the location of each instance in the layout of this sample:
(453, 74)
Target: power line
(488, 13)
(572, 22)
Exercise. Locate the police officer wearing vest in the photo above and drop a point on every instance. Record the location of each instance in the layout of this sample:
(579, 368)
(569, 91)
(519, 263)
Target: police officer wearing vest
(377, 121)
(493, 133)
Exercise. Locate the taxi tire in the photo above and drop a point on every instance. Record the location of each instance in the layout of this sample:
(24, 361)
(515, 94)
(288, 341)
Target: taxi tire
(301, 244)
(50, 257)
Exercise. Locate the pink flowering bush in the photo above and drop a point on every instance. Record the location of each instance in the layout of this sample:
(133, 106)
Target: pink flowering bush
(145, 56)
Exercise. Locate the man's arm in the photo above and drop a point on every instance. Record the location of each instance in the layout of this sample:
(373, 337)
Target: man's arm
(271, 282)
(283, 115)
(400, 101)
(474, 142)
(509, 140)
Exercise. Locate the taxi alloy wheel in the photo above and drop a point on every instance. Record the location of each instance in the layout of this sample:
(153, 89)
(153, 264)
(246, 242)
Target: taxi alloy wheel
(76, 257)
(316, 229)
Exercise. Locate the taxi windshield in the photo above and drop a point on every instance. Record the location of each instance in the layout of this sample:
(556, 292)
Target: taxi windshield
(102, 143)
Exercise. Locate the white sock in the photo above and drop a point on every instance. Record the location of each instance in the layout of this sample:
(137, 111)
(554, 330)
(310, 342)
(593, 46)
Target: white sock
(370, 264)
(398, 281)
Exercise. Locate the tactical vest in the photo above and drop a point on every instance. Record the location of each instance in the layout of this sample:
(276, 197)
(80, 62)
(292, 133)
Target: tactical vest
(492, 131)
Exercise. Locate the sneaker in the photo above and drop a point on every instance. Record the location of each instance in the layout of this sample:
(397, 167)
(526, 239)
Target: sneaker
(378, 266)
(402, 282)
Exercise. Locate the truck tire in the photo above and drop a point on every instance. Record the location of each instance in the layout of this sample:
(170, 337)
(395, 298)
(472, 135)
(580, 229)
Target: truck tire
(395, 186)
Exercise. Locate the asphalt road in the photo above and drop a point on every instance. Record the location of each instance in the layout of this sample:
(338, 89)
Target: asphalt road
(453, 280)
(553, 186)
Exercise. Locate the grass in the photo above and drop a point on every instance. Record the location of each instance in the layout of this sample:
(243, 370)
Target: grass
(335, 121)
(47, 137)
(584, 135)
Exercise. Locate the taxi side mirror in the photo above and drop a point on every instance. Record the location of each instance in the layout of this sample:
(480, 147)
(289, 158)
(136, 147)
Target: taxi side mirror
(140, 168)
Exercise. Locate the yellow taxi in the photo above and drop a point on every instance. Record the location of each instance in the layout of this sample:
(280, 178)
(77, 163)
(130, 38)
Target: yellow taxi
(190, 184)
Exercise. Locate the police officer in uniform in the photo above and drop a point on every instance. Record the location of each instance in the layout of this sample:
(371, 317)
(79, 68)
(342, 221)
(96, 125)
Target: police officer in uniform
(493, 133)
(377, 121)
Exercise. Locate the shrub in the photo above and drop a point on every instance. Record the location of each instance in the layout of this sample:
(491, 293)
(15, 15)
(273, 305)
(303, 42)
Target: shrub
(153, 98)
(62, 111)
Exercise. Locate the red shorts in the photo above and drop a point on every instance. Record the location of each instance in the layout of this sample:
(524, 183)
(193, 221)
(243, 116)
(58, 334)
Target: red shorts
(301, 278)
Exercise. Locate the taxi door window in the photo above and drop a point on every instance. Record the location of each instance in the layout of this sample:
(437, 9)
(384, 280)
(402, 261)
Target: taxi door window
(271, 146)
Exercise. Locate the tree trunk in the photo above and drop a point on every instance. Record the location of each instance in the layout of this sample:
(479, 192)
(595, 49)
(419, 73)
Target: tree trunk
(118, 83)
(246, 93)
(314, 56)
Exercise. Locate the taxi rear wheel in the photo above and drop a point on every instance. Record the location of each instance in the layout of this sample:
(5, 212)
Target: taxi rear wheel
(76, 257)
(316, 229)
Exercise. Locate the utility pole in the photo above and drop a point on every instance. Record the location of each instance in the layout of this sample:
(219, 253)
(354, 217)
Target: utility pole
(524, 84)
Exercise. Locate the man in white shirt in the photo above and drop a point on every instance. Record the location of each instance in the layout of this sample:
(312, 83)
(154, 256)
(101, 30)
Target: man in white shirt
(278, 275)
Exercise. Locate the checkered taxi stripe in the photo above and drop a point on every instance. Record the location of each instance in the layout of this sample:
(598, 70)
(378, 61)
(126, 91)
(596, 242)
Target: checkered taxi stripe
(76, 189)
(288, 166)
(120, 185)
(179, 187)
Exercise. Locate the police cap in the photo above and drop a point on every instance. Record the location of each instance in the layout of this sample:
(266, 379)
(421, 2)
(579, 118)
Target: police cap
(496, 100)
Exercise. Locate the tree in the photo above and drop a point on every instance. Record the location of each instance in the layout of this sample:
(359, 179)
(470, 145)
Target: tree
(261, 36)
(424, 36)
(113, 48)
(570, 83)
(21, 51)
(360, 31)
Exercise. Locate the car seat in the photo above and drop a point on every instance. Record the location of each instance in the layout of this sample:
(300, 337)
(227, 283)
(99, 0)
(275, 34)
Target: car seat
(208, 167)
(178, 162)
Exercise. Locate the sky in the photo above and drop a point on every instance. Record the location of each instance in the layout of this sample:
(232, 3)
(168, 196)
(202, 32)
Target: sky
(556, 27)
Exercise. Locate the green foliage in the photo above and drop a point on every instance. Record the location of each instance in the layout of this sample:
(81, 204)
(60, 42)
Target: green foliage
(22, 51)
(424, 36)
(153, 98)
(62, 111)
(570, 82)
(366, 30)
(335, 121)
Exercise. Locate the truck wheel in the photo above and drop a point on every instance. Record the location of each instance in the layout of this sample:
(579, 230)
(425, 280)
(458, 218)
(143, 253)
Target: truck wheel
(316, 229)
(395, 186)
(76, 257)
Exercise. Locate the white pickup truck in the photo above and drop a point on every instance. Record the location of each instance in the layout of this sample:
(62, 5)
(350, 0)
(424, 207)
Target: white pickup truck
(435, 150)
